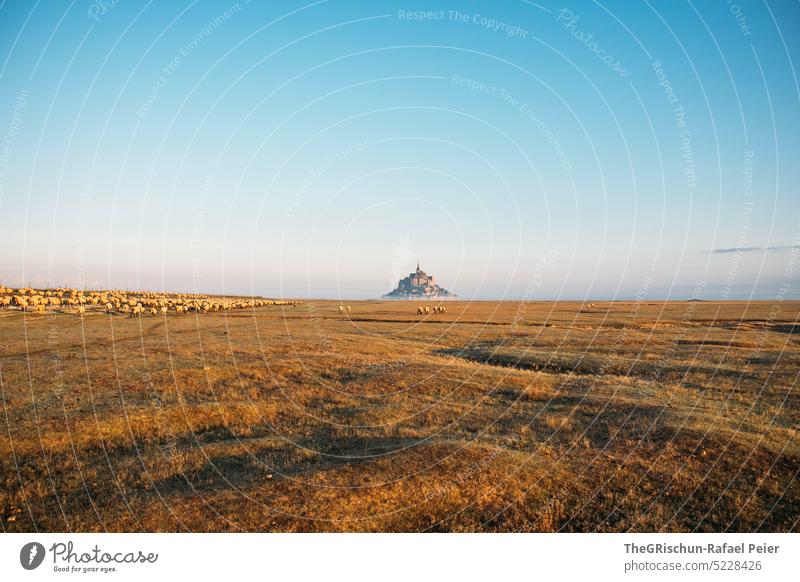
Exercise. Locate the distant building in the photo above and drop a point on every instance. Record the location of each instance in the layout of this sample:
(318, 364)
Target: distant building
(418, 285)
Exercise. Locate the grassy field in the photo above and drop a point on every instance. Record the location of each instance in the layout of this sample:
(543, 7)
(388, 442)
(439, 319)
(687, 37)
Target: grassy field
(677, 416)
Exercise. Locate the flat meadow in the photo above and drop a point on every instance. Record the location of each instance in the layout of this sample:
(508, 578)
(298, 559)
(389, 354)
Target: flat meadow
(491, 416)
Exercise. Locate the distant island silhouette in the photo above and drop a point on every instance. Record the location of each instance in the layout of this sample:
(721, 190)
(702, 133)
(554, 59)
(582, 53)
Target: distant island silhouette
(419, 285)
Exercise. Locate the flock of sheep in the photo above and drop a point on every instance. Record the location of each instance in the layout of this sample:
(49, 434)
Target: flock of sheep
(132, 303)
(427, 310)
(346, 310)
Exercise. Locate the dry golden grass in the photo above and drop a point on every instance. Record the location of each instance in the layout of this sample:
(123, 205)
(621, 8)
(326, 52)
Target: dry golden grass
(555, 417)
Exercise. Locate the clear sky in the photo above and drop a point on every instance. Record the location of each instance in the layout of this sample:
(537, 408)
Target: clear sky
(318, 149)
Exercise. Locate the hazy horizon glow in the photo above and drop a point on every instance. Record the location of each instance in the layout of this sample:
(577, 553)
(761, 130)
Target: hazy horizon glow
(319, 149)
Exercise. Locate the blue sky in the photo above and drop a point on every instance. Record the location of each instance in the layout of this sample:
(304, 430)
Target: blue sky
(318, 149)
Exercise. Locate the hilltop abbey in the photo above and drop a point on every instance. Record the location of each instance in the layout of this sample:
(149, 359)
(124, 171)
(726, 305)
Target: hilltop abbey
(418, 285)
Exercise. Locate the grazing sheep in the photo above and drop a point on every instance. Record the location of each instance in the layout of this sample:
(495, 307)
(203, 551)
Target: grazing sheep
(348, 310)
(341, 310)
(134, 303)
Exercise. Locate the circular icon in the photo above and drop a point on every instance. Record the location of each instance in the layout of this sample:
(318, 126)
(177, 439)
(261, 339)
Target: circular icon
(31, 555)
